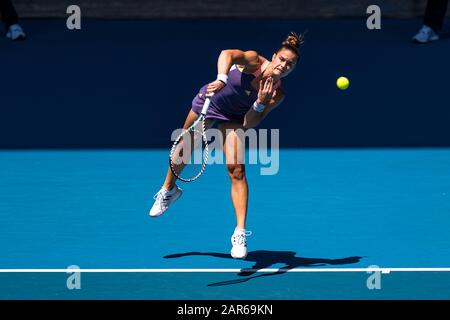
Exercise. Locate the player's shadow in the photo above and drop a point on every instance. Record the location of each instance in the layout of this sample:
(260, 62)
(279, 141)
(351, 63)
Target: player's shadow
(264, 259)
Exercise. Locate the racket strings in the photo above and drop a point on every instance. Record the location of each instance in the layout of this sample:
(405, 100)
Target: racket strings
(189, 153)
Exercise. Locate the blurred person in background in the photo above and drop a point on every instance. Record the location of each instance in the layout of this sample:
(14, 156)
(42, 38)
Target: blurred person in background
(432, 22)
(11, 20)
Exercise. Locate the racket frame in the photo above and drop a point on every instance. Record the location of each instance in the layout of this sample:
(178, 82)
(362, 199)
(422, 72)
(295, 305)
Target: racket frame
(201, 118)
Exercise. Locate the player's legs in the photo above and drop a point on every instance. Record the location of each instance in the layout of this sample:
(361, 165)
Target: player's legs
(169, 192)
(234, 150)
(170, 180)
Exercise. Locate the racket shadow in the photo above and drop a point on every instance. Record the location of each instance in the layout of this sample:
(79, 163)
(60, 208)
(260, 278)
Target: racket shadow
(264, 259)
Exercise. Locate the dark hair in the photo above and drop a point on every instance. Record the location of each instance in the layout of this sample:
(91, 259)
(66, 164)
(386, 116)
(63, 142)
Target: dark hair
(293, 42)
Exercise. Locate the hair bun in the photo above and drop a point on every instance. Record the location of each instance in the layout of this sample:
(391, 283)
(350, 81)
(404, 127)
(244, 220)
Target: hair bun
(294, 40)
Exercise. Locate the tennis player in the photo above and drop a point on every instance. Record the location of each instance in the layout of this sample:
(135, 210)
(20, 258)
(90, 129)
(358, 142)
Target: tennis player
(247, 89)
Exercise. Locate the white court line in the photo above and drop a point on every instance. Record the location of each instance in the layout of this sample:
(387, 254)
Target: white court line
(382, 270)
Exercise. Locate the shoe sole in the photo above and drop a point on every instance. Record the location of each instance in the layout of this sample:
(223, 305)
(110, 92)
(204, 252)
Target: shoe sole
(424, 42)
(238, 257)
(19, 38)
(173, 201)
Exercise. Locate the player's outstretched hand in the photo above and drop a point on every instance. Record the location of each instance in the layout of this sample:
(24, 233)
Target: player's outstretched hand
(266, 91)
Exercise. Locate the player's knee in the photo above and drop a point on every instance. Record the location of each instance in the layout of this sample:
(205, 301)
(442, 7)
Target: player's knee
(236, 171)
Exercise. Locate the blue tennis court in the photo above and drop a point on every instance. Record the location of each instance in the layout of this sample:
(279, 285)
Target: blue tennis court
(348, 209)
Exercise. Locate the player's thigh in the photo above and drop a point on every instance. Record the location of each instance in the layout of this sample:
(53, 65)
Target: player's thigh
(233, 142)
(192, 116)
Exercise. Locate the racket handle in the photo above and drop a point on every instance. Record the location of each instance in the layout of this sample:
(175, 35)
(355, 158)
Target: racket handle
(206, 104)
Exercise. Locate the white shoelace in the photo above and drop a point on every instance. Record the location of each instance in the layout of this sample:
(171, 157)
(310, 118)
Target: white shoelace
(239, 238)
(161, 197)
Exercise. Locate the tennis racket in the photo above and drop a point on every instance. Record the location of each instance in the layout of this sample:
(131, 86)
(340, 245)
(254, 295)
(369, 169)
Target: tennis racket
(189, 153)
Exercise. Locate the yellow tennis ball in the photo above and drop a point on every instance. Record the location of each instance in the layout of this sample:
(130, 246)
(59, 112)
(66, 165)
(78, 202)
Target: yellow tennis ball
(342, 83)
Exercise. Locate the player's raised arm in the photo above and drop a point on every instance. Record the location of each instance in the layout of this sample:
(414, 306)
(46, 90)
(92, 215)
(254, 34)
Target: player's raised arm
(251, 60)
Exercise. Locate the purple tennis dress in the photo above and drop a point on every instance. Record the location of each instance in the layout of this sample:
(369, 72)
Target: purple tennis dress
(234, 100)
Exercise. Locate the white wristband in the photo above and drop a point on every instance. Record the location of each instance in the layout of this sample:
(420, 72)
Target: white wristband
(222, 77)
(258, 107)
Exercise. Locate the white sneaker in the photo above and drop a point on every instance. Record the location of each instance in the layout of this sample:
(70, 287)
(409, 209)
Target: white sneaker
(425, 34)
(15, 32)
(163, 199)
(239, 242)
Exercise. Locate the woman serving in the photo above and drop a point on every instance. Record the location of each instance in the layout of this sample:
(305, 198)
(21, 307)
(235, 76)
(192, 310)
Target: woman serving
(247, 89)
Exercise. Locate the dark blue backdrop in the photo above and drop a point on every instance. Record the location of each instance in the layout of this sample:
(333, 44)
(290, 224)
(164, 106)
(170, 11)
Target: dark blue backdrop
(128, 84)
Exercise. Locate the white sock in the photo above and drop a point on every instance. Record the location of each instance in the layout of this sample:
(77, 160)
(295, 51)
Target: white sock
(169, 191)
